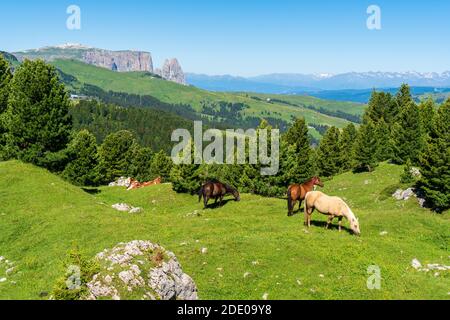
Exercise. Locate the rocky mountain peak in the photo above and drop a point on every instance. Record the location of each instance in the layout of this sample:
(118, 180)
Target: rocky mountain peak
(172, 71)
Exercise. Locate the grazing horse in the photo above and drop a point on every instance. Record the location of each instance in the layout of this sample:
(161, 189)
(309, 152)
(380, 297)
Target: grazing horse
(297, 192)
(217, 191)
(332, 207)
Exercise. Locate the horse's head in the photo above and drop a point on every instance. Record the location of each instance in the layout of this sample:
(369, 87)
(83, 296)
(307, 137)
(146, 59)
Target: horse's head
(235, 193)
(354, 225)
(317, 182)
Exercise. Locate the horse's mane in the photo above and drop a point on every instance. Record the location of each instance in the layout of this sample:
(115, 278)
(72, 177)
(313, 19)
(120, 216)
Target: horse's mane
(230, 188)
(309, 180)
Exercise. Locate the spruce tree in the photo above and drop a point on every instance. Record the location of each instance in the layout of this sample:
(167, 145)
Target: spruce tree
(161, 165)
(383, 138)
(5, 78)
(365, 149)
(329, 153)
(346, 147)
(37, 119)
(407, 135)
(427, 109)
(140, 165)
(435, 162)
(381, 106)
(295, 151)
(115, 156)
(83, 159)
(403, 98)
(407, 176)
(186, 178)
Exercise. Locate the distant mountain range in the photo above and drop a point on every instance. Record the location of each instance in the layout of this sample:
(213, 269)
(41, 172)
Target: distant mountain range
(344, 87)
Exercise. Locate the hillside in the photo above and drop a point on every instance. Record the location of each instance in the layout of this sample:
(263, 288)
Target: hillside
(140, 83)
(42, 217)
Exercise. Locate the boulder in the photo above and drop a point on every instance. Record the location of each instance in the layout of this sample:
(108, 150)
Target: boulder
(121, 182)
(123, 207)
(404, 194)
(140, 270)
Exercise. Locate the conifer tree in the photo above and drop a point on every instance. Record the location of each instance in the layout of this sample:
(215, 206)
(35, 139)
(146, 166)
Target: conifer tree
(37, 119)
(366, 149)
(329, 153)
(186, 178)
(346, 147)
(5, 78)
(403, 98)
(435, 162)
(83, 159)
(383, 138)
(115, 156)
(407, 176)
(407, 135)
(381, 106)
(427, 109)
(295, 151)
(140, 166)
(161, 165)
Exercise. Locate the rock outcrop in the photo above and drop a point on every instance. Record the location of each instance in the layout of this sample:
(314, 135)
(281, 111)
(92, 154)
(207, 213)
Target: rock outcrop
(172, 71)
(140, 270)
(121, 61)
(409, 193)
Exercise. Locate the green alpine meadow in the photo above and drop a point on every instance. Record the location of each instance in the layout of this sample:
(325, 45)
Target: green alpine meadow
(225, 156)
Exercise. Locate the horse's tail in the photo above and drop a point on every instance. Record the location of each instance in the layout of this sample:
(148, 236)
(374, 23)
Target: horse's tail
(289, 199)
(200, 194)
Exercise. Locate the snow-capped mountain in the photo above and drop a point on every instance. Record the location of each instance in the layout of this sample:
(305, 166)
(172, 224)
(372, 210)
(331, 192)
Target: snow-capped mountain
(324, 81)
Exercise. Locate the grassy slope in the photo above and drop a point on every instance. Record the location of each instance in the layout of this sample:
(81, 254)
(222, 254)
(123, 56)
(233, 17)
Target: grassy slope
(144, 84)
(347, 107)
(41, 217)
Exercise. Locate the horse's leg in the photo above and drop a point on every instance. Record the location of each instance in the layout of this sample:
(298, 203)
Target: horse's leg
(300, 206)
(330, 220)
(306, 212)
(221, 201)
(205, 201)
(340, 224)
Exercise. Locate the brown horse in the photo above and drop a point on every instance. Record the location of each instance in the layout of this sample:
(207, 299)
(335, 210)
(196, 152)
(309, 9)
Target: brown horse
(217, 191)
(297, 192)
(137, 185)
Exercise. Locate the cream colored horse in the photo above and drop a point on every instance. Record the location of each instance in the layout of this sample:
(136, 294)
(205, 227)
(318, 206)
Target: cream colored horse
(333, 207)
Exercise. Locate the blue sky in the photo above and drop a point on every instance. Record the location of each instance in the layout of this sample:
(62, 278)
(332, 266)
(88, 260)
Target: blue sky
(246, 38)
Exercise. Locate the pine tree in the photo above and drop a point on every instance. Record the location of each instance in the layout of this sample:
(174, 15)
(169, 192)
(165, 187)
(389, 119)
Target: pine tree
(427, 109)
(403, 98)
(383, 138)
(161, 165)
(435, 162)
(346, 147)
(140, 165)
(115, 156)
(365, 149)
(186, 178)
(329, 153)
(407, 176)
(37, 119)
(407, 134)
(83, 159)
(295, 151)
(5, 78)
(381, 106)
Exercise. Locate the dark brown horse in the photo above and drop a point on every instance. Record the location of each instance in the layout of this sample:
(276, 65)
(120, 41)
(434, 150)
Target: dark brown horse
(217, 191)
(297, 192)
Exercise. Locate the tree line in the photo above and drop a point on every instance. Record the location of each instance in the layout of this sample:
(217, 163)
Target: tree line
(394, 128)
(36, 126)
